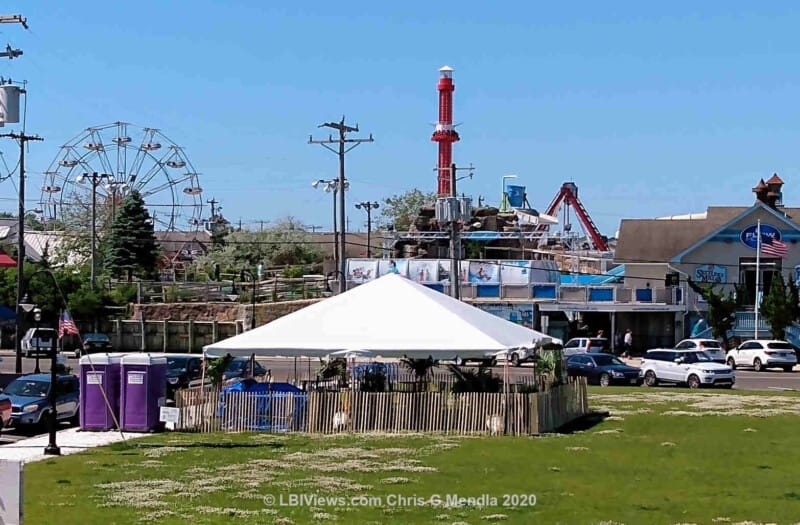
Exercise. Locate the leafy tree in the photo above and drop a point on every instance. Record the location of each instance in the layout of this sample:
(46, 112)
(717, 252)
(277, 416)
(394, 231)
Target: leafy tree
(215, 369)
(286, 243)
(86, 303)
(400, 210)
(130, 247)
(469, 380)
(777, 307)
(720, 308)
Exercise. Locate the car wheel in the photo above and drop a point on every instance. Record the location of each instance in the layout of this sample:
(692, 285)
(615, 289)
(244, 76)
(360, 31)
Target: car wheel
(788, 368)
(727, 386)
(515, 360)
(693, 381)
(605, 379)
(650, 378)
(757, 366)
(732, 363)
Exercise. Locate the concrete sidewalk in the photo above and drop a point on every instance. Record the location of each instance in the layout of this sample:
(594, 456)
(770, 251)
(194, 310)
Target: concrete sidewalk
(71, 441)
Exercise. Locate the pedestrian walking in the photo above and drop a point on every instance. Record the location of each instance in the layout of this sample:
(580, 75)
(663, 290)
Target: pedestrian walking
(628, 343)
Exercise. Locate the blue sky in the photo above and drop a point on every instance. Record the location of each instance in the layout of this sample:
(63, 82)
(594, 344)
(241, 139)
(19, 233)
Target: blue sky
(650, 109)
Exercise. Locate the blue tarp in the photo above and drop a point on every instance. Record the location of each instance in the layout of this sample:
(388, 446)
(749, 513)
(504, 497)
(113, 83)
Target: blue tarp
(278, 406)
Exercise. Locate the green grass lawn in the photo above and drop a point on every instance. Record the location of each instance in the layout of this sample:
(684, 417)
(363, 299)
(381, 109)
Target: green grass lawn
(665, 456)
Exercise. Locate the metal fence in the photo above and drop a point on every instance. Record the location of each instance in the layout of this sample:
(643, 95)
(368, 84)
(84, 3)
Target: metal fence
(211, 410)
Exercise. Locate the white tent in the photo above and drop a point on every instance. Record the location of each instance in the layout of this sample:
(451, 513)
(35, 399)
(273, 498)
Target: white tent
(391, 316)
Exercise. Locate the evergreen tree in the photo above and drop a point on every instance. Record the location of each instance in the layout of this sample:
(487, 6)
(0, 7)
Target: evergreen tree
(131, 245)
(721, 308)
(777, 308)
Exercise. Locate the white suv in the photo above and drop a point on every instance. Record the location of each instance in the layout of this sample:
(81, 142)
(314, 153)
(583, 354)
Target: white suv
(763, 354)
(709, 346)
(691, 367)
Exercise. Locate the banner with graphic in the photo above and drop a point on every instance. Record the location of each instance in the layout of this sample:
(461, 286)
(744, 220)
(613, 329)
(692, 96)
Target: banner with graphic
(518, 313)
(515, 272)
(398, 266)
(362, 270)
(423, 271)
(484, 272)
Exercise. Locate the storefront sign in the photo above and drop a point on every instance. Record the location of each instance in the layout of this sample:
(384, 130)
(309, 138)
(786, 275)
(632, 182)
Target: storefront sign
(748, 235)
(710, 273)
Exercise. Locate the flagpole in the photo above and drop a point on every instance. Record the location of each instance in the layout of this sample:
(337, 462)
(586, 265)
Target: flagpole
(758, 274)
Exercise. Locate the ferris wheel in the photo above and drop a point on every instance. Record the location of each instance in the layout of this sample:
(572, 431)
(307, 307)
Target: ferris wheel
(94, 171)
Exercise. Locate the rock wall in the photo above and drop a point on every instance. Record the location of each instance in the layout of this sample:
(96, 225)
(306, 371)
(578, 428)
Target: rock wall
(221, 312)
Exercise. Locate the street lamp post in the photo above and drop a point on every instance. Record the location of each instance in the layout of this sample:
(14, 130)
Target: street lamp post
(37, 316)
(95, 179)
(368, 206)
(332, 186)
(52, 448)
(242, 275)
(504, 204)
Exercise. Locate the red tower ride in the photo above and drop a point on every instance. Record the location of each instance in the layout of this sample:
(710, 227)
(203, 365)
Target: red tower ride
(445, 133)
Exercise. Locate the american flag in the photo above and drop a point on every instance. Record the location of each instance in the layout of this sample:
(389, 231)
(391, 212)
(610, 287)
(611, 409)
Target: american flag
(66, 325)
(774, 247)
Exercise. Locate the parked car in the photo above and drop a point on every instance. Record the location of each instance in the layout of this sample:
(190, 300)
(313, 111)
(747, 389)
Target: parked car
(603, 369)
(489, 360)
(690, 367)
(182, 369)
(93, 343)
(710, 346)
(29, 398)
(238, 367)
(761, 354)
(5, 411)
(579, 345)
(42, 339)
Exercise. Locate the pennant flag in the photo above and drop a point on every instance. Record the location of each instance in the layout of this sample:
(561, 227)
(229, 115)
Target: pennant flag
(773, 247)
(66, 325)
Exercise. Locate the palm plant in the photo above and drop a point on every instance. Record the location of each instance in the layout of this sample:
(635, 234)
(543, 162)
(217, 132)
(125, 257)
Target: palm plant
(420, 368)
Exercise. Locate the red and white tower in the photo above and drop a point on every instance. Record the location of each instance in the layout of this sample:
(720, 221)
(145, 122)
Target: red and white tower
(445, 133)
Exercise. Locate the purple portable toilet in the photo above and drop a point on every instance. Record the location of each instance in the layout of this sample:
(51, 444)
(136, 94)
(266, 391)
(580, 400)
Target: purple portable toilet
(99, 395)
(143, 391)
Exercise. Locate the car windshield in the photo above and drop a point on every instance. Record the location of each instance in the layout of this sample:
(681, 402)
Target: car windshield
(176, 364)
(27, 388)
(710, 344)
(236, 365)
(695, 357)
(607, 360)
(95, 337)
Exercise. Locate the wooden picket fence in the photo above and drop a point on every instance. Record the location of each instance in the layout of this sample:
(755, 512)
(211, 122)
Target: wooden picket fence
(392, 412)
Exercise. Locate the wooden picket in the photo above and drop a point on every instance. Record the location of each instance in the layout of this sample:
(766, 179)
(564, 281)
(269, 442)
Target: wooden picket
(210, 410)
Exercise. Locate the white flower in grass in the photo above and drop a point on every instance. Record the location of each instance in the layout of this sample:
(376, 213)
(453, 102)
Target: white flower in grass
(555, 469)
(495, 517)
(721, 519)
(667, 444)
(283, 521)
(750, 430)
(394, 481)
(577, 449)
(442, 517)
(324, 516)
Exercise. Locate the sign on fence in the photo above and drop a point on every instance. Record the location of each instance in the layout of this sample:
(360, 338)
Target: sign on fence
(10, 492)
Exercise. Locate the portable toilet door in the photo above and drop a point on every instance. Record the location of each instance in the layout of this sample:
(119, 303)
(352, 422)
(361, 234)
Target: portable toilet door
(99, 395)
(143, 391)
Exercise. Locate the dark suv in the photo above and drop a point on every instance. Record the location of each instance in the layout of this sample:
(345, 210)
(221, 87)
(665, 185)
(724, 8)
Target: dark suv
(238, 367)
(182, 369)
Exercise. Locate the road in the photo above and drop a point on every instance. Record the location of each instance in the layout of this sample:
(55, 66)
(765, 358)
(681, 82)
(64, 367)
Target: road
(283, 369)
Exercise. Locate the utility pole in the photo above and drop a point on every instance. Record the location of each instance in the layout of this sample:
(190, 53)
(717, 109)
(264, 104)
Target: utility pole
(368, 206)
(342, 141)
(213, 202)
(23, 139)
(449, 209)
(95, 179)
